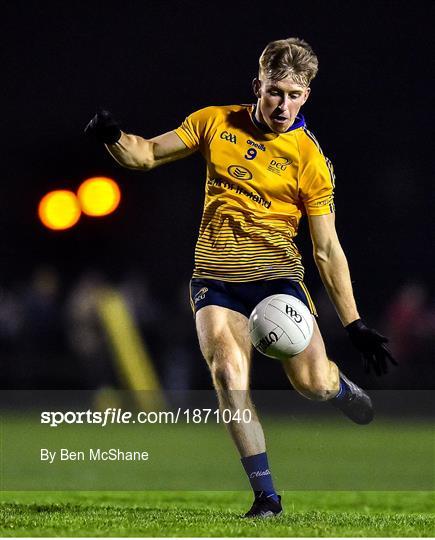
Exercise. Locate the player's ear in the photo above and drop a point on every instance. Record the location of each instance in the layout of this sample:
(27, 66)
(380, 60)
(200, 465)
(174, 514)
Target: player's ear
(307, 93)
(256, 86)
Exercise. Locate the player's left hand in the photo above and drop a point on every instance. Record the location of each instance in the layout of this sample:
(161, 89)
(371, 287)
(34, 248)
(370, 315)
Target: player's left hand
(372, 346)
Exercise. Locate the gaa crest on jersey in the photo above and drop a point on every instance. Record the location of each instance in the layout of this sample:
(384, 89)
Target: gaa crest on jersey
(227, 136)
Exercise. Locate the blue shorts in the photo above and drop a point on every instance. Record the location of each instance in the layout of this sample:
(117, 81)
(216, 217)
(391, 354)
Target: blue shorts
(243, 297)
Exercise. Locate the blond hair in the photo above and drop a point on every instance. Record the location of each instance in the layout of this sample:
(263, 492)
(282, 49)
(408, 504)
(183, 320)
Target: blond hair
(291, 57)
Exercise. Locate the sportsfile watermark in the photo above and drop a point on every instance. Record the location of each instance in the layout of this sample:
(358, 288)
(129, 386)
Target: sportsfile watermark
(109, 440)
(112, 416)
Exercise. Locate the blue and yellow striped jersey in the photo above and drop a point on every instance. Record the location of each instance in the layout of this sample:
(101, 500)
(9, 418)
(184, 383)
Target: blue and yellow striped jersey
(258, 185)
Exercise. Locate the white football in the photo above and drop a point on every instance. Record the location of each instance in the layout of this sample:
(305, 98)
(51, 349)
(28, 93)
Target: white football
(281, 326)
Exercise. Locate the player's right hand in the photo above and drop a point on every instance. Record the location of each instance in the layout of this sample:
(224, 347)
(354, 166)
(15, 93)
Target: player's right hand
(104, 128)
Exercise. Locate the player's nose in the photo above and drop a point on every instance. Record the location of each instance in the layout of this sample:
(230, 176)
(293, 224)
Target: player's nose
(285, 100)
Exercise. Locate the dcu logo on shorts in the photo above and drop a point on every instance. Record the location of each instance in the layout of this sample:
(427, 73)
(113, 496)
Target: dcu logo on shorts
(239, 173)
(279, 165)
(200, 295)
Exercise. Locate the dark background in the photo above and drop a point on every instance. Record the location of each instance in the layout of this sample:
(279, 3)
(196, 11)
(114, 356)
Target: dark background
(153, 63)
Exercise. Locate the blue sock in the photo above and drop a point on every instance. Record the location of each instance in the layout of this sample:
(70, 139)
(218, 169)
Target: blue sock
(260, 478)
(344, 390)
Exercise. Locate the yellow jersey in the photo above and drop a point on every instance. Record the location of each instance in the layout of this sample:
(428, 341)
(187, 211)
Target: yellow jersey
(258, 186)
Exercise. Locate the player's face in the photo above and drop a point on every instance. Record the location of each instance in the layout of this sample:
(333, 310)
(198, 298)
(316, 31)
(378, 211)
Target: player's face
(279, 102)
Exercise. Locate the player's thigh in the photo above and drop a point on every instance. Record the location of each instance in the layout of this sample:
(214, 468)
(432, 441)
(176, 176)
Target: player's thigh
(311, 369)
(225, 344)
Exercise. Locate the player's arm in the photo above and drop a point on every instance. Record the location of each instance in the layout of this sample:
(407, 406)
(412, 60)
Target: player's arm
(135, 152)
(332, 265)
(334, 271)
(132, 151)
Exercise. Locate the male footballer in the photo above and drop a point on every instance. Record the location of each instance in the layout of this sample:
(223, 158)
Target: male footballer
(265, 170)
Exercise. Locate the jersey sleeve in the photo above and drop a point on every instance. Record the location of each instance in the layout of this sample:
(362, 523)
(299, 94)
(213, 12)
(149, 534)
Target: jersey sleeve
(194, 129)
(316, 183)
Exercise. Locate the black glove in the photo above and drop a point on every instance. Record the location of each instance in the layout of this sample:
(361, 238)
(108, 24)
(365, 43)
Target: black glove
(372, 345)
(104, 128)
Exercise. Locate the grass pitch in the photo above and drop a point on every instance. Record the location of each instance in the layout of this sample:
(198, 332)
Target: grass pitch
(386, 458)
(318, 514)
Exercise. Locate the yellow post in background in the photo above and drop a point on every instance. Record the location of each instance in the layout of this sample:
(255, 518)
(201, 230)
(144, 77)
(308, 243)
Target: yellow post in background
(131, 355)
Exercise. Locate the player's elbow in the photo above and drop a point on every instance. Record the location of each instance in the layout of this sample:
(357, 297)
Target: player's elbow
(328, 251)
(143, 164)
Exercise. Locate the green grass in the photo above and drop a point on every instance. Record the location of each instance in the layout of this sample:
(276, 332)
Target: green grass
(337, 479)
(320, 514)
(305, 454)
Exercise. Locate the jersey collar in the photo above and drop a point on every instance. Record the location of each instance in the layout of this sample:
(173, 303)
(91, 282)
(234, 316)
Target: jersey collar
(298, 123)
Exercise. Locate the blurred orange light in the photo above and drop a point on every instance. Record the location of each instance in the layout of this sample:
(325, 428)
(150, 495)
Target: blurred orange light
(59, 209)
(99, 196)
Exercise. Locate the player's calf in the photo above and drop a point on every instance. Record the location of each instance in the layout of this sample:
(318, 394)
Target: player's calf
(316, 391)
(228, 377)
